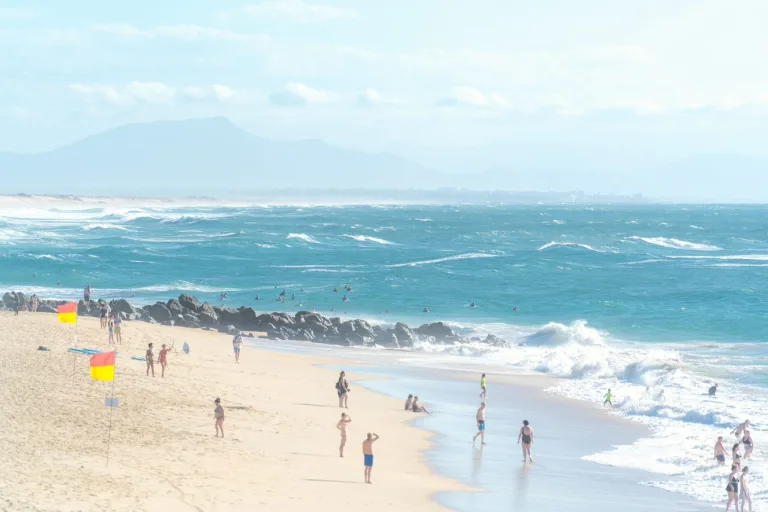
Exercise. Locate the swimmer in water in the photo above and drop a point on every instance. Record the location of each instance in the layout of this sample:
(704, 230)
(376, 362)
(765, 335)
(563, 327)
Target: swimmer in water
(748, 444)
(258, 297)
(473, 305)
(426, 310)
(739, 431)
(515, 308)
(293, 296)
(713, 390)
(345, 299)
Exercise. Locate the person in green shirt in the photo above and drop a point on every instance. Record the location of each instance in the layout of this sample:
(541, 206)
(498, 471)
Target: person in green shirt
(608, 397)
(482, 386)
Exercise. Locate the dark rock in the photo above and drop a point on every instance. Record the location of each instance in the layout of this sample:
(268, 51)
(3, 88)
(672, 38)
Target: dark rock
(181, 322)
(404, 335)
(189, 302)
(495, 341)
(122, 306)
(305, 335)
(159, 312)
(299, 317)
(250, 335)
(437, 330)
(207, 315)
(229, 316)
(175, 307)
(248, 318)
(46, 308)
(189, 318)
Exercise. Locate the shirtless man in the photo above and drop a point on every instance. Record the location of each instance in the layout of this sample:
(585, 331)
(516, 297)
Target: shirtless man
(237, 342)
(720, 451)
(480, 416)
(739, 431)
(342, 426)
(526, 435)
(368, 455)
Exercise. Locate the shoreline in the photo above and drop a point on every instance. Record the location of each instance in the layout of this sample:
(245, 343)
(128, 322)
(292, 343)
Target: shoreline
(281, 445)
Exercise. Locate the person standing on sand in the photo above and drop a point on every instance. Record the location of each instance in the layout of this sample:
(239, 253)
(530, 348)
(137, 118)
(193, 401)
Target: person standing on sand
(342, 426)
(34, 303)
(111, 330)
(744, 492)
(733, 489)
(526, 435)
(482, 386)
(720, 451)
(608, 398)
(237, 342)
(480, 417)
(342, 388)
(118, 328)
(368, 455)
(150, 356)
(164, 359)
(87, 294)
(103, 319)
(218, 415)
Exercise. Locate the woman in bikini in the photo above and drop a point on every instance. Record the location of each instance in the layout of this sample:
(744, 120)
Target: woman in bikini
(150, 356)
(163, 359)
(744, 493)
(748, 445)
(218, 415)
(736, 455)
(342, 426)
(733, 488)
(342, 388)
(526, 436)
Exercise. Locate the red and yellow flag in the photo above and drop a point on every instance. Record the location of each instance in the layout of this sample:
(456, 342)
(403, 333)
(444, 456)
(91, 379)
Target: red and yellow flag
(103, 366)
(68, 313)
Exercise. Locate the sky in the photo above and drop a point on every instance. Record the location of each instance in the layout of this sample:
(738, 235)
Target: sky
(451, 84)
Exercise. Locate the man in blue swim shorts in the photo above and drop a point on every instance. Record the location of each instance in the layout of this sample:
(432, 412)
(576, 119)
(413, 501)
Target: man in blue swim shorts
(368, 455)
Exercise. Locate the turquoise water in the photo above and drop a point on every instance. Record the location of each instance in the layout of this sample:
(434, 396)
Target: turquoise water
(655, 302)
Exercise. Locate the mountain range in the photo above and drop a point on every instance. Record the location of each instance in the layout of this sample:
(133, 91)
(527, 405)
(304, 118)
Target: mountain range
(214, 156)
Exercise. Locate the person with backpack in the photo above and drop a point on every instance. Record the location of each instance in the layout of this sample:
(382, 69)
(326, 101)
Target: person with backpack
(342, 389)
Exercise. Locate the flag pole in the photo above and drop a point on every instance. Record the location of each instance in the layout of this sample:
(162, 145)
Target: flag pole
(111, 406)
(74, 355)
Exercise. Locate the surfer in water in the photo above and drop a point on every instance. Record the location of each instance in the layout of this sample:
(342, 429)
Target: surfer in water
(473, 305)
(713, 390)
(426, 310)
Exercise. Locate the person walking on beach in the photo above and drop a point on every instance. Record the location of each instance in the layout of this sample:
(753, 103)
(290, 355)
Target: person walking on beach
(150, 356)
(744, 491)
(480, 417)
(608, 398)
(748, 445)
(237, 342)
(342, 388)
(163, 359)
(111, 331)
(526, 436)
(218, 415)
(118, 328)
(482, 386)
(720, 451)
(34, 303)
(342, 426)
(368, 455)
(733, 489)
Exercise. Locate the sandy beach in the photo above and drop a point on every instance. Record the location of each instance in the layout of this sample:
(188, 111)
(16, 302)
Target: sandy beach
(281, 445)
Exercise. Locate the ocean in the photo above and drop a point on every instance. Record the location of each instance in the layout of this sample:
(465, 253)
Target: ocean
(656, 302)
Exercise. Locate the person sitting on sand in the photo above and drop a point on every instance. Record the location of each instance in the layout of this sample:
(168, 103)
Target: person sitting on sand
(163, 359)
(218, 415)
(416, 407)
(368, 455)
(526, 436)
(342, 426)
(480, 417)
(408, 402)
(185, 348)
(720, 451)
(150, 356)
(342, 388)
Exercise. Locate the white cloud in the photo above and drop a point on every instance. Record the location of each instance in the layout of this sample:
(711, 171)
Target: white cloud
(296, 94)
(152, 93)
(180, 32)
(297, 10)
(467, 96)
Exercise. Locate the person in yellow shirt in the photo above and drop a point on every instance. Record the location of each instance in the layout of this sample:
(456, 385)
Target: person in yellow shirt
(482, 386)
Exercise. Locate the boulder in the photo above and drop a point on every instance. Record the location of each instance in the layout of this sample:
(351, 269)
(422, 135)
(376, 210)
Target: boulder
(182, 322)
(437, 330)
(46, 308)
(189, 302)
(228, 316)
(207, 315)
(305, 335)
(159, 312)
(175, 307)
(122, 306)
(404, 335)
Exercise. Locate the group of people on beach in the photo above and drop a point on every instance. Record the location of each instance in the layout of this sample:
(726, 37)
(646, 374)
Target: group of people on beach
(738, 480)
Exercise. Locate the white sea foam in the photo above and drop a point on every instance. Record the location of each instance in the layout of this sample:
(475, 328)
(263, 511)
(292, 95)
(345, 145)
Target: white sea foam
(90, 227)
(363, 238)
(730, 257)
(674, 243)
(568, 244)
(466, 256)
(266, 246)
(693, 226)
(303, 237)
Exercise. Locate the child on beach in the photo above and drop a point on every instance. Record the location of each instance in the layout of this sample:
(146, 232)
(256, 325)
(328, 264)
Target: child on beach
(218, 415)
(111, 329)
(608, 397)
(482, 386)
